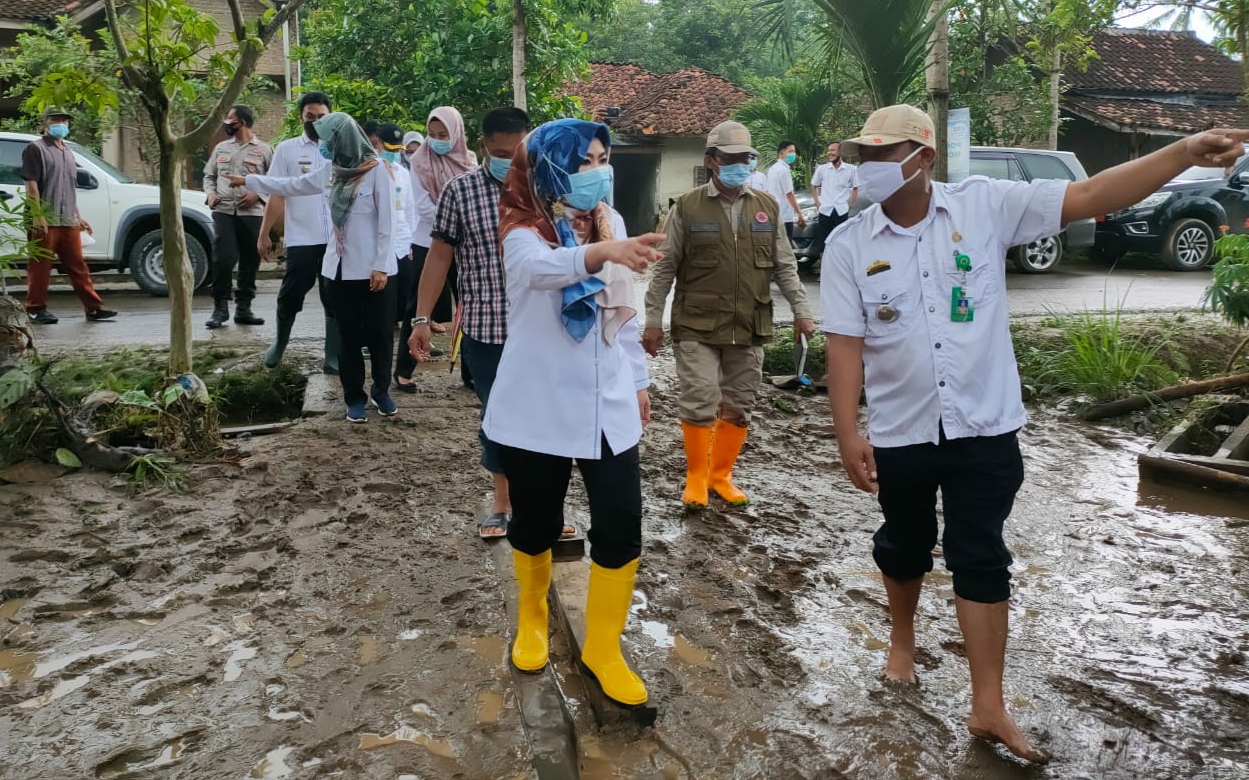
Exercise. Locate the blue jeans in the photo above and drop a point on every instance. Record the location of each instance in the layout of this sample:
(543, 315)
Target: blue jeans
(482, 360)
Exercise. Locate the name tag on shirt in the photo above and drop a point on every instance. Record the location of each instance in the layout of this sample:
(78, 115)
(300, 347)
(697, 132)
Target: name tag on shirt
(223, 159)
(305, 165)
(704, 227)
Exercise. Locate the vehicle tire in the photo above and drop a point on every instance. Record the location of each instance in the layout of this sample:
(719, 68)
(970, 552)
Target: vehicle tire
(1189, 245)
(147, 262)
(1039, 257)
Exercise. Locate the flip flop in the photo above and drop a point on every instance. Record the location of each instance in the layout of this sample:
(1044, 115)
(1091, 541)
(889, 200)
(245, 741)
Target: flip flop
(492, 522)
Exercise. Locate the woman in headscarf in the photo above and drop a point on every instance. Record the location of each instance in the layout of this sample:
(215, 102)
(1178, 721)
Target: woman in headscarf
(442, 157)
(572, 384)
(359, 259)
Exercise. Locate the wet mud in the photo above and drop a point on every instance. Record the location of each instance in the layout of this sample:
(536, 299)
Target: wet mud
(317, 605)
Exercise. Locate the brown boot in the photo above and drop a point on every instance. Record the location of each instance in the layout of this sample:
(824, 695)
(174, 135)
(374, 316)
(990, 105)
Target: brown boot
(726, 444)
(697, 459)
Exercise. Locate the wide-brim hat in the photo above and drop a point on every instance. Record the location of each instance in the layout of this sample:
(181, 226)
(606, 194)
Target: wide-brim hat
(893, 125)
(52, 112)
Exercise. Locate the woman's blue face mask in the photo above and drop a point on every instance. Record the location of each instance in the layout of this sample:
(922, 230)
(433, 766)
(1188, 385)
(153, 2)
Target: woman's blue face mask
(439, 146)
(589, 188)
(324, 148)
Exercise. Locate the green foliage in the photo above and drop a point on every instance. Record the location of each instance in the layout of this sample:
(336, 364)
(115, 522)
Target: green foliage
(792, 108)
(67, 458)
(1097, 357)
(15, 244)
(778, 355)
(1228, 294)
(154, 471)
(418, 56)
(260, 394)
(15, 384)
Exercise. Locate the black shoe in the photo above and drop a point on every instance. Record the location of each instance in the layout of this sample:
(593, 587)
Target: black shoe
(221, 313)
(44, 317)
(408, 387)
(243, 316)
(101, 314)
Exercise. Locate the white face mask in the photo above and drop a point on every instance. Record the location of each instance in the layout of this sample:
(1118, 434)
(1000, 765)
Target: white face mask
(880, 180)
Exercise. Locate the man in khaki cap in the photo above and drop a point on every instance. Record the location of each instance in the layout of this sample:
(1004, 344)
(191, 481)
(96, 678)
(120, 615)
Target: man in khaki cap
(913, 294)
(725, 246)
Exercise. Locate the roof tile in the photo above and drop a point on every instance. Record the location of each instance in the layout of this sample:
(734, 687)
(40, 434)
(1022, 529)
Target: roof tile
(1158, 61)
(37, 10)
(1150, 115)
(687, 103)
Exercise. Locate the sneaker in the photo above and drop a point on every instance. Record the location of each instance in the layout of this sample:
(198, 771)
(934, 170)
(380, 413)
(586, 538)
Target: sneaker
(385, 405)
(356, 413)
(44, 317)
(101, 314)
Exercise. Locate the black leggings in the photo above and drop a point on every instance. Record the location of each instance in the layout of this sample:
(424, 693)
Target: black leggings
(978, 478)
(538, 484)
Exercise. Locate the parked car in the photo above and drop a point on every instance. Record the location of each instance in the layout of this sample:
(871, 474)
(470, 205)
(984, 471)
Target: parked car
(1039, 257)
(124, 215)
(1180, 221)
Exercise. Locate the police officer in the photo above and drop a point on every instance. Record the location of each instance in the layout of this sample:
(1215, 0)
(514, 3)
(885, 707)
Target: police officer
(725, 246)
(913, 292)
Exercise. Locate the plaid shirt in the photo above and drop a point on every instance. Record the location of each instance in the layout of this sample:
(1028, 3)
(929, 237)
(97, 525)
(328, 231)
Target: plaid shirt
(468, 219)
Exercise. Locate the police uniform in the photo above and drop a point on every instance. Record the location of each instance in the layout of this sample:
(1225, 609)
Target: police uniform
(723, 255)
(943, 391)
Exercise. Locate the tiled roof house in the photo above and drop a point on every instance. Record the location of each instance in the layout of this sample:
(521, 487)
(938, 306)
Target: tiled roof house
(1144, 89)
(660, 136)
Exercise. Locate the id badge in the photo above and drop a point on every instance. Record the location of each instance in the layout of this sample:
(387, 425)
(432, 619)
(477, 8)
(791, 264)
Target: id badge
(962, 306)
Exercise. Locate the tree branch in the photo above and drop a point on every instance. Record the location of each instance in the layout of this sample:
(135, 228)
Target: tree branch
(236, 16)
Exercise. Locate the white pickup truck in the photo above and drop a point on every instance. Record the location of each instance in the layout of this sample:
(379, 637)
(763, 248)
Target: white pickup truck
(124, 215)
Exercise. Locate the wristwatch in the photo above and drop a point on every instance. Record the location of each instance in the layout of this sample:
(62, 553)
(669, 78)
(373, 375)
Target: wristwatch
(418, 321)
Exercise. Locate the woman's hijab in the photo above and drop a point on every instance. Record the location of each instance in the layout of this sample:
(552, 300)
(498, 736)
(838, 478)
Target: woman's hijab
(436, 169)
(352, 157)
(531, 197)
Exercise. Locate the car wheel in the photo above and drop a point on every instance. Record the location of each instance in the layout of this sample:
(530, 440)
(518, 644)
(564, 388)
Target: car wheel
(1039, 257)
(1189, 245)
(147, 262)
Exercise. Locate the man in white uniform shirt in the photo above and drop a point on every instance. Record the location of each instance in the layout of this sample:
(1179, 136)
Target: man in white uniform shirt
(914, 300)
(306, 228)
(835, 187)
(781, 186)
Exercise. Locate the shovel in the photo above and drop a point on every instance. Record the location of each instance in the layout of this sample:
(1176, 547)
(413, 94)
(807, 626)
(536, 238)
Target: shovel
(800, 361)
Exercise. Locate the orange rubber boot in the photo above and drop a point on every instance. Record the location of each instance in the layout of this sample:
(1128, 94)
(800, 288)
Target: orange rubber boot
(697, 460)
(726, 444)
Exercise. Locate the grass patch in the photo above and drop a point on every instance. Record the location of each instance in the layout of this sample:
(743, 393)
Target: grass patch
(259, 395)
(778, 355)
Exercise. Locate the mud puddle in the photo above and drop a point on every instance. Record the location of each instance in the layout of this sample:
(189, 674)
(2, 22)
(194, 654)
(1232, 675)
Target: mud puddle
(318, 606)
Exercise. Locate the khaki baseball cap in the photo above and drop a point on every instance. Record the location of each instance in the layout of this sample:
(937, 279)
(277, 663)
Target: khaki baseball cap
(893, 125)
(730, 138)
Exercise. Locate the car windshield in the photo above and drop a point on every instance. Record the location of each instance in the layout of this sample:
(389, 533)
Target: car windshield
(101, 163)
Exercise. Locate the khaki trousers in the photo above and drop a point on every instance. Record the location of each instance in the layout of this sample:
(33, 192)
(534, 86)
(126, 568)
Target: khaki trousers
(717, 381)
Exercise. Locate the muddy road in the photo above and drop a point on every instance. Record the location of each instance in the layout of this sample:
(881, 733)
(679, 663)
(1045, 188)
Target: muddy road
(317, 605)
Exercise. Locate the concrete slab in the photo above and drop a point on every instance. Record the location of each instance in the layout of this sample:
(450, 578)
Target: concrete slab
(323, 395)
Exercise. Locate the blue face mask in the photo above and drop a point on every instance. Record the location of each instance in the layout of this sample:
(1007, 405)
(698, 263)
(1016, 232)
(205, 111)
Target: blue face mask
(589, 188)
(390, 157)
(499, 168)
(734, 175)
(791, 158)
(754, 164)
(59, 130)
(324, 148)
(439, 146)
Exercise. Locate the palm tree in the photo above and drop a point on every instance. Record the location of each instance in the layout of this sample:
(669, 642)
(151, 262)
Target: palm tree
(793, 110)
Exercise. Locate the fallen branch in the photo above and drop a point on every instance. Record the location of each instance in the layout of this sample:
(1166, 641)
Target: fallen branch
(83, 443)
(1135, 403)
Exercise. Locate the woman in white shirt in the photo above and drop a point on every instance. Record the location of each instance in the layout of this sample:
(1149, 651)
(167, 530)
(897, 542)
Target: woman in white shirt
(571, 385)
(359, 259)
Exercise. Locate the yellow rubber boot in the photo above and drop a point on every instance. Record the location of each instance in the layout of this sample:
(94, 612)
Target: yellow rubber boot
(726, 444)
(530, 649)
(697, 461)
(606, 609)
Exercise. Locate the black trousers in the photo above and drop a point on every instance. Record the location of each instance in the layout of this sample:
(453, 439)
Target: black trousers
(538, 484)
(235, 245)
(978, 478)
(444, 307)
(406, 282)
(364, 319)
(303, 270)
(789, 230)
(824, 225)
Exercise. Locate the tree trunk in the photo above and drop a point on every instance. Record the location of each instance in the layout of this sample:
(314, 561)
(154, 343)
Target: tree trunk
(178, 274)
(937, 77)
(1055, 85)
(519, 98)
(1137, 402)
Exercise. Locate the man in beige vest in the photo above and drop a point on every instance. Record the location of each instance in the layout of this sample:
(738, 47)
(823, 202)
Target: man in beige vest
(725, 246)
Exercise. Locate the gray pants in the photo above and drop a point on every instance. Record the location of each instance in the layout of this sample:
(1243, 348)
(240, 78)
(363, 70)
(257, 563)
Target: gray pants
(717, 382)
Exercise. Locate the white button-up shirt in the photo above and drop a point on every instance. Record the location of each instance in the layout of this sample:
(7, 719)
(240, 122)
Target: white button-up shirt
(892, 287)
(780, 184)
(366, 242)
(835, 183)
(307, 219)
(405, 208)
(425, 208)
(552, 394)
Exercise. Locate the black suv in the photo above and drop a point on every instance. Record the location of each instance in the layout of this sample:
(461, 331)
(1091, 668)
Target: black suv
(1180, 221)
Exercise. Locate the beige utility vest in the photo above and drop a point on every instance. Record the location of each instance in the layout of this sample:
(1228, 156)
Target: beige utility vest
(724, 283)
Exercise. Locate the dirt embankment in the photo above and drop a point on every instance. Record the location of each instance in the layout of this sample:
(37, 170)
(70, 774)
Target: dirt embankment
(319, 606)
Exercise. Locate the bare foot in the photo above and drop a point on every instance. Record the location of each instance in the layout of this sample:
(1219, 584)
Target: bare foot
(900, 667)
(568, 532)
(1000, 729)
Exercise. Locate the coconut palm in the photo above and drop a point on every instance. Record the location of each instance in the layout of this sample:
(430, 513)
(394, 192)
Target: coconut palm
(794, 109)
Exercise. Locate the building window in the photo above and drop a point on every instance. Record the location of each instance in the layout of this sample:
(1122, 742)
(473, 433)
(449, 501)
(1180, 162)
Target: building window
(700, 176)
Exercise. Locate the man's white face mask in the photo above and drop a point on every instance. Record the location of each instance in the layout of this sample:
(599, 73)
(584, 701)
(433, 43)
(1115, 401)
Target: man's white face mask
(881, 179)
